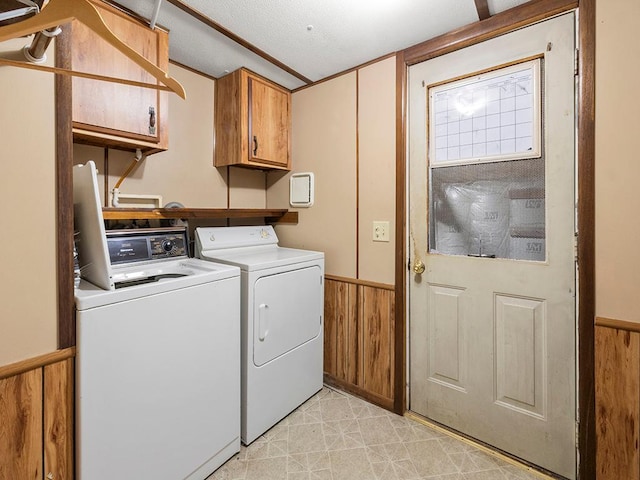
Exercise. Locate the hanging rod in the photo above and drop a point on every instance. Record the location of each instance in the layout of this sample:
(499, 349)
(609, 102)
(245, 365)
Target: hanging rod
(18, 12)
(59, 12)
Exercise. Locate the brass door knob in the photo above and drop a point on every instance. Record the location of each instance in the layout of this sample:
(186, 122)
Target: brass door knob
(418, 267)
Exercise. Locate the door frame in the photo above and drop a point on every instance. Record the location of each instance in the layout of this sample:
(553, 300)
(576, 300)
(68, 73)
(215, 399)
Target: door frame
(518, 17)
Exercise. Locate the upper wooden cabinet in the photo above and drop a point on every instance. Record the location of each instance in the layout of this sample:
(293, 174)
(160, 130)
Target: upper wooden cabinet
(113, 114)
(252, 122)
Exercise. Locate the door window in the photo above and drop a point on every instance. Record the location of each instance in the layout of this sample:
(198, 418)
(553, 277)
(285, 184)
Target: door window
(486, 170)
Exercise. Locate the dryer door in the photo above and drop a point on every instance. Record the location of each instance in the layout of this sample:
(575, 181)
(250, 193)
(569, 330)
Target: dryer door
(287, 312)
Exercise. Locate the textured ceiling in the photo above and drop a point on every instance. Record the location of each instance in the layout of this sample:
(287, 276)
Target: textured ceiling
(314, 38)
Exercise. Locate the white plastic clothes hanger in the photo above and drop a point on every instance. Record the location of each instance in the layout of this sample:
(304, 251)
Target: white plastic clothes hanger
(59, 12)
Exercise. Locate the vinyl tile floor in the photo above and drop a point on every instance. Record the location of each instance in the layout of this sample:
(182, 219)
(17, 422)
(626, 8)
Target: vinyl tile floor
(335, 436)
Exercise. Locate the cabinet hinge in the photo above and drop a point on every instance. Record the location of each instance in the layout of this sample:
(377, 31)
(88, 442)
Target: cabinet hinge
(575, 246)
(576, 61)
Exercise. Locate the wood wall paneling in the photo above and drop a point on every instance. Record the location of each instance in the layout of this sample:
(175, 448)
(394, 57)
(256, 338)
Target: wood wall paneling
(59, 420)
(21, 426)
(340, 331)
(36, 418)
(617, 372)
(331, 314)
(376, 312)
(349, 364)
(360, 339)
(332, 311)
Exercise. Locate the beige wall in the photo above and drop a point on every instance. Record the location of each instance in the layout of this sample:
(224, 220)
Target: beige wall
(324, 134)
(377, 168)
(28, 312)
(184, 173)
(344, 132)
(617, 160)
(323, 142)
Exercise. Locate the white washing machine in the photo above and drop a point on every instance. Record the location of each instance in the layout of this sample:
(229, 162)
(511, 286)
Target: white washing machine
(158, 352)
(282, 320)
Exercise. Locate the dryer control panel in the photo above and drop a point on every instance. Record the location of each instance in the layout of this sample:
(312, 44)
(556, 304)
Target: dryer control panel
(220, 238)
(144, 245)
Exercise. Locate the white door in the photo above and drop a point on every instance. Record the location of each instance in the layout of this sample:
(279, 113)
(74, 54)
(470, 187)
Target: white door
(492, 318)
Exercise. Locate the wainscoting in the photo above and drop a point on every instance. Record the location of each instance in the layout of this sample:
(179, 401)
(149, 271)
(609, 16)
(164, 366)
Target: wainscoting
(359, 338)
(617, 372)
(36, 417)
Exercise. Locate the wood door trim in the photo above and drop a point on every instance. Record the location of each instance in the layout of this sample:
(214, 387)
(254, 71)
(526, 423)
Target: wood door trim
(526, 14)
(501, 23)
(399, 391)
(33, 363)
(586, 240)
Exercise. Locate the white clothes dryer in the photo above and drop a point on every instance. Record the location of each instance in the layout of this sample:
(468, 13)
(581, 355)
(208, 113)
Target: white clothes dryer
(282, 311)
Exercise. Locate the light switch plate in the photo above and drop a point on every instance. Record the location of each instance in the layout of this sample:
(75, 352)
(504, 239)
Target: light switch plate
(380, 231)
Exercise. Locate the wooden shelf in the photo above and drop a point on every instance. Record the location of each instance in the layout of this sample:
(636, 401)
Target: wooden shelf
(270, 215)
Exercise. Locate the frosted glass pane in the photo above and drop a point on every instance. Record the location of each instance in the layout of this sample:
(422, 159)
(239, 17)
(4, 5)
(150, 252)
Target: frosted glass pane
(490, 210)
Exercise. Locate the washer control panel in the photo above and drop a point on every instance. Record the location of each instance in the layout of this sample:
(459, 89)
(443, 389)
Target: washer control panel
(143, 245)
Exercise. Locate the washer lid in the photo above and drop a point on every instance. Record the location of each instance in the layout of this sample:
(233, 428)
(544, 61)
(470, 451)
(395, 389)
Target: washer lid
(93, 253)
(146, 280)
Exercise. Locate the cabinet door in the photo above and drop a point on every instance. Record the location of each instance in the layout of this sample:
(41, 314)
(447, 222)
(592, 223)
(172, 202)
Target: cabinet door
(268, 124)
(112, 108)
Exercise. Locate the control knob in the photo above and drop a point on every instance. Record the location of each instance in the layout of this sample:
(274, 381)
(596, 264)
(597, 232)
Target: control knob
(168, 245)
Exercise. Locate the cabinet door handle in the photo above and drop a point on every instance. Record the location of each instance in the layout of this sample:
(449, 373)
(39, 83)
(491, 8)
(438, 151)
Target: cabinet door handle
(152, 121)
(255, 145)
